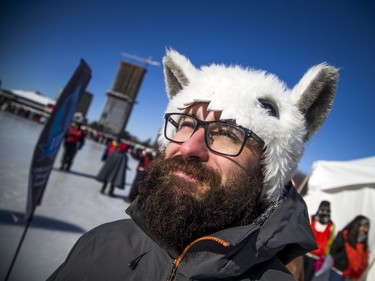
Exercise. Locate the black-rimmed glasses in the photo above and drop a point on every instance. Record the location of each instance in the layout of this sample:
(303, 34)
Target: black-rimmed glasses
(221, 137)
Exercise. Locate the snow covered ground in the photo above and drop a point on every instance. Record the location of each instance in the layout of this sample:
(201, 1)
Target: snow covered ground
(71, 204)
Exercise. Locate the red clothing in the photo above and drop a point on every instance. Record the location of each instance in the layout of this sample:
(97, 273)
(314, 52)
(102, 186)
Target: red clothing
(114, 145)
(323, 239)
(124, 147)
(74, 135)
(143, 163)
(357, 258)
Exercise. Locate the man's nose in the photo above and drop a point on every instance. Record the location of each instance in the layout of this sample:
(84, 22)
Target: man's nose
(195, 146)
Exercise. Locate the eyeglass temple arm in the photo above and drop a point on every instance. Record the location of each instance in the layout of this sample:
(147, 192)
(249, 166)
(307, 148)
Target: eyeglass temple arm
(258, 139)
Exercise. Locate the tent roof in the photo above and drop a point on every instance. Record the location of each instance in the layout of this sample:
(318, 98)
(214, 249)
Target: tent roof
(326, 175)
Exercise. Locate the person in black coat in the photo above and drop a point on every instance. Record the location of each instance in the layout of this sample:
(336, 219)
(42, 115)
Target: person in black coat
(144, 158)
(113, 171)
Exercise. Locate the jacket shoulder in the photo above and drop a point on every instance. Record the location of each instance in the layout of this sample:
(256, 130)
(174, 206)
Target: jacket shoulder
(95, 253)
(125, 225)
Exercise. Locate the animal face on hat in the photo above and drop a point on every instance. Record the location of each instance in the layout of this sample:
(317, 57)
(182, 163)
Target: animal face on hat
(284, 118)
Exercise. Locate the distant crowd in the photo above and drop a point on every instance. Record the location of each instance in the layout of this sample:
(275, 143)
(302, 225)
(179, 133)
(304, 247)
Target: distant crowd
(115, 158)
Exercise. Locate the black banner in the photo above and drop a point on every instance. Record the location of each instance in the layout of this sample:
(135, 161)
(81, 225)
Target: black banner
(52, 135)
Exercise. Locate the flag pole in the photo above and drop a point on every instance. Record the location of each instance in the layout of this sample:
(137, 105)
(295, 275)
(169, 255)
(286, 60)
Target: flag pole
(28, 222)
(48, 143)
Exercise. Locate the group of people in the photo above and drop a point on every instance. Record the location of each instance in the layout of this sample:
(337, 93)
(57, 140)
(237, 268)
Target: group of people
(115, 158)
(345, 255)
(217, 202)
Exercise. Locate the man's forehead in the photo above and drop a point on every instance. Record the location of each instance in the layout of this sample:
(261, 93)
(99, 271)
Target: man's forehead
(200, 111)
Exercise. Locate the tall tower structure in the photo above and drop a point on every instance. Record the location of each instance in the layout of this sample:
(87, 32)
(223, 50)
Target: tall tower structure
(121, 97)
(84, 103)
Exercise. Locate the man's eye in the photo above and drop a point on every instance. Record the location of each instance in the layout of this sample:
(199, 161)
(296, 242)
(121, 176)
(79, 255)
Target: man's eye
(186, 124)
(225, 133)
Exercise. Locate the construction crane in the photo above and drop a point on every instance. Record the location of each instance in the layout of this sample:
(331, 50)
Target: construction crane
(147, 61)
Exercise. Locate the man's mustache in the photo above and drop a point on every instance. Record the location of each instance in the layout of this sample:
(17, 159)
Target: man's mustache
(192, 168)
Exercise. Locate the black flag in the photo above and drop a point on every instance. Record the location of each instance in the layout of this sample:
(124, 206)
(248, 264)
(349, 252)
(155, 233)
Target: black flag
(52, 135)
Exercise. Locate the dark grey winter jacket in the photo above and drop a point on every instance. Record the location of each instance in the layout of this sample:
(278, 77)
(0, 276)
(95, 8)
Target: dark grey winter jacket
(123, 251)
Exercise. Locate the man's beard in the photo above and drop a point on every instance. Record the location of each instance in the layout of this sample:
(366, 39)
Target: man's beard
(177, 211)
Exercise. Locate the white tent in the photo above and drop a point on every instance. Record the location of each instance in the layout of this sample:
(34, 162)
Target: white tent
(350, 187)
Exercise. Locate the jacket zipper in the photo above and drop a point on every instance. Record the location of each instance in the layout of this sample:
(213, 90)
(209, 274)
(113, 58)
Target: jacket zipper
(176, 262)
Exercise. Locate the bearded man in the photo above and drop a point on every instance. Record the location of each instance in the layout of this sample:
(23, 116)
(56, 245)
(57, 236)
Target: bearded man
(216, 203)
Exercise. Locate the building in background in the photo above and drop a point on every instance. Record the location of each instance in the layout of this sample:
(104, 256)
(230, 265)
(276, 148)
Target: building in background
(30, 104)
(121, 97)
(84, 103)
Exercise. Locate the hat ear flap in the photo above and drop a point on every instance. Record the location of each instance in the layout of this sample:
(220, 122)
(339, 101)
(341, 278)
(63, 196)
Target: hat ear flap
(177, 72)
(315, 93)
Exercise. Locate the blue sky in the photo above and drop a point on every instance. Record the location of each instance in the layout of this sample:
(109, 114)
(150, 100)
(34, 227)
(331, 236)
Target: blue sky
(43, 41)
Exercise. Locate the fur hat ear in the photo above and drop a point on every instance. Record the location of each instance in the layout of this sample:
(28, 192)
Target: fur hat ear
(177, 72)
(314, 94)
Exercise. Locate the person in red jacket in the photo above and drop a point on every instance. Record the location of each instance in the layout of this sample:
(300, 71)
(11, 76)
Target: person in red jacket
(323, 229)
(350, 251)
(74, 140)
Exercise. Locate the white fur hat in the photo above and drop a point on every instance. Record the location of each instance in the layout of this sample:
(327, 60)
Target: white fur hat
(247, 95)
